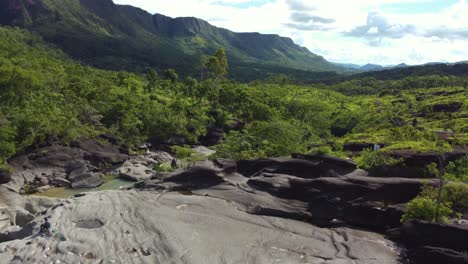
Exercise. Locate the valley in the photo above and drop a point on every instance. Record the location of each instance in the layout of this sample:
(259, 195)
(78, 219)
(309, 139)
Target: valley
(127, 137)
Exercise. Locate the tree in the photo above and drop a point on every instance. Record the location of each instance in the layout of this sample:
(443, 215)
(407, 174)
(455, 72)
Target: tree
(171, 75)
(216, 65)
(152, 78)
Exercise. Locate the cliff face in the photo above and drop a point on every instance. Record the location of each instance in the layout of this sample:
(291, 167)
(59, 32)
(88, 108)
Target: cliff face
(20, 12)
(102, 33)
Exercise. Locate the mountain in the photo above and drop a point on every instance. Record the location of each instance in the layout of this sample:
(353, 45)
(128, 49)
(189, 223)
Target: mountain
(110, 36)
(372, 67)
(349, 66)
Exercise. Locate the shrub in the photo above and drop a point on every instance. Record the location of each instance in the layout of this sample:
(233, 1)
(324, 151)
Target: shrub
(163, 168)
(458, 170)
(182, 152)
(431, 170)
(425, 208)
(371, 160)
(457, 194)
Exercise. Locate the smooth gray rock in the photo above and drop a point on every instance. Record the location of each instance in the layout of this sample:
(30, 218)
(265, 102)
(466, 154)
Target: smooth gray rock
(141, 167)
(151, 227)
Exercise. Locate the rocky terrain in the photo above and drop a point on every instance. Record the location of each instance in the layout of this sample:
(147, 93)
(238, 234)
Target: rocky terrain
(307, 209)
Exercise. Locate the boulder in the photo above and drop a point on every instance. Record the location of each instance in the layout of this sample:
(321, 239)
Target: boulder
(178, 140)
(82, 178)
(141, 167)
(295, 167)
(214, 135)
(5, 176)
(435, 255)
(414, 159)
(422, 233)
(357, 200)
(332, 165)
(353, 198)
(99, 153)
(53, 164)
(134, 171)
(447, 108)
(60, 182)
(195, 178)
(357, 146)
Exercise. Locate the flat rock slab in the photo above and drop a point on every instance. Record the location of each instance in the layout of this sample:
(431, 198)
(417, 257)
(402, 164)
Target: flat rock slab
(150, 227)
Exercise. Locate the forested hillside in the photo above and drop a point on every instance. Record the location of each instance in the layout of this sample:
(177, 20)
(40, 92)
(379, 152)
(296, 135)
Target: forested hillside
(46, 95)
(115, 37)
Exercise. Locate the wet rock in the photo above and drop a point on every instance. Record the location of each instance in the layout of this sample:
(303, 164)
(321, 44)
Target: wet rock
(82, 178)
(60, 182)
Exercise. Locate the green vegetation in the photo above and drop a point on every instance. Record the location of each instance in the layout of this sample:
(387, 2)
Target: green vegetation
(424, 208)
(44, 94)
(454, 201)
(115, 37)
(371, 160)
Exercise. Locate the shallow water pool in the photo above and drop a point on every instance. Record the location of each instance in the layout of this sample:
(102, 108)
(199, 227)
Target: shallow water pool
(113, 183)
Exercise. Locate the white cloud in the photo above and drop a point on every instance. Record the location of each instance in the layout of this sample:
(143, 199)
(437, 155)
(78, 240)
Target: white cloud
(390, 37)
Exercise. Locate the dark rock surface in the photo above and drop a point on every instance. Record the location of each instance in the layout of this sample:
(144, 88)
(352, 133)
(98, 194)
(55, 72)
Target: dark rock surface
(414, 159)
(81, 164)
(357, 146)
(221, 211)
(434, 255)
(447, 108)
(214, 135)
(5, 176)
(413, 163)
(432, 242)
(299, 189)
(421, 233)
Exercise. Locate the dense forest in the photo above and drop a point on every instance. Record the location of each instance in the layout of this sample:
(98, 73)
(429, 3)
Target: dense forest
(45, 94)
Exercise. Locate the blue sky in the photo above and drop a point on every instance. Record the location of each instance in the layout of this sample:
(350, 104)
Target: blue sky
(360, 31)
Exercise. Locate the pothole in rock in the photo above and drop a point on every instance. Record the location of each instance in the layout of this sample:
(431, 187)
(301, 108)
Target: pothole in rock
(89, 224)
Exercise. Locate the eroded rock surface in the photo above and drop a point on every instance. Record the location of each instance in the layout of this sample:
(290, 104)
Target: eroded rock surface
(79, 165)
(150, 227)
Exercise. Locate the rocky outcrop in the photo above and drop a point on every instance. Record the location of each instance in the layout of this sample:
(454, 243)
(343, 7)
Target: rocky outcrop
(413, 163)
(223, 211)
(81, 165)
(149, 227)
(307, 166)
(447, 108)
(142, 167)
(5, 176)
(214, 135)
(434, 255)
(19, 210)
(298, 189)
(414, 159)
(420, 233)
(433, 242)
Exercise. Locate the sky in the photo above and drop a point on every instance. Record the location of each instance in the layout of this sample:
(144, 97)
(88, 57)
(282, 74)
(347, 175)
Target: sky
(384, 32)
